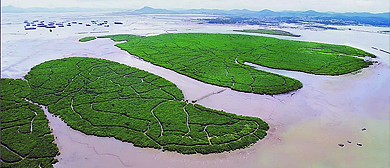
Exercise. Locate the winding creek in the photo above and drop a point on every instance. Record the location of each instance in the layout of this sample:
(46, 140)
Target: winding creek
(305, 125)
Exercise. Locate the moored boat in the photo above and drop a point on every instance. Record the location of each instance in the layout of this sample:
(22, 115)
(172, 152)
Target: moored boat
(30, 28)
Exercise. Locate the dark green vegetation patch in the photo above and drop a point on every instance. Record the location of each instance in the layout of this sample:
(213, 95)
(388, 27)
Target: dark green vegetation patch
(268, 31)
(85, 39)
(105, 98)
(26, 139)
(219, 58)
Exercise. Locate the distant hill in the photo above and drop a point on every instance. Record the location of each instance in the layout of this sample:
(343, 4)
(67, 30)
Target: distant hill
(149, 10)
(265, 12)
(376, 19)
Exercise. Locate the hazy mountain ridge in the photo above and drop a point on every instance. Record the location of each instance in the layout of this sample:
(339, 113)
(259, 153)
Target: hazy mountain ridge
(265, 12)
(242, 12)
(375, 19)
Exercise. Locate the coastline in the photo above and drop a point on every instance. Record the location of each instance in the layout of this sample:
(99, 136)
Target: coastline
(313, 120)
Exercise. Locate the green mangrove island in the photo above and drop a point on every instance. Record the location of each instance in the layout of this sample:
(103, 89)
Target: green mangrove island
(108, 99)
(219, 59)
(85, 39)
(268, 31)
(26, 139)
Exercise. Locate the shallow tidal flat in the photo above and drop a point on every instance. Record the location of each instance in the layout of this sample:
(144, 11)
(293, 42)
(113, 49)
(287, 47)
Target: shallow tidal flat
(305, 126)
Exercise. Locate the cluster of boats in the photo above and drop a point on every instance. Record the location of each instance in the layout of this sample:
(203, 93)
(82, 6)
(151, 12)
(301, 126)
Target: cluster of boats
(51, 25)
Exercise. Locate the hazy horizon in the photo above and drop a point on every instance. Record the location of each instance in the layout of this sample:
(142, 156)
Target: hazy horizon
(372, 6)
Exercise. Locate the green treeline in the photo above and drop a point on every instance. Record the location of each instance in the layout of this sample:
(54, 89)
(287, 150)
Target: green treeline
(219, 58)
(85, 39)
(105, 98)
(268, 31)
(26, 139)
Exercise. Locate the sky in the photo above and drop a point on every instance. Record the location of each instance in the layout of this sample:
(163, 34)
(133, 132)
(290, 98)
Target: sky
(373, 6)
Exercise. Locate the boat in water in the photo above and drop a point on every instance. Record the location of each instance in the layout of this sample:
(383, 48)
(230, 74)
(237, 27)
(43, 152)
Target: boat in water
(30, 28)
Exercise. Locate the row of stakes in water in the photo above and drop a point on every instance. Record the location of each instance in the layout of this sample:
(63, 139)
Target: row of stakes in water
(51, 25)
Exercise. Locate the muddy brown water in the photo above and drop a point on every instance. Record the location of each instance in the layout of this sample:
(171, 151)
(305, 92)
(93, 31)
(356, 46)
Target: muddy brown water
(306, 125)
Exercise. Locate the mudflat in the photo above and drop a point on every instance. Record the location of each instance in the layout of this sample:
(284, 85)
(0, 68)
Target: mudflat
(306, 125)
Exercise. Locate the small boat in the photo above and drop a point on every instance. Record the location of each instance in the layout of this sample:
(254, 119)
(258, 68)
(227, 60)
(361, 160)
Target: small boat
(41, 25)
(87, 25)
(50, 26)
(80, 23)
(74, 22)
(33, 25)
(30, 28)
(105, 21)
(28, 24)
(106, 25)
(26, 21)
(118, 23)
(60, 25)
(68, 24)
